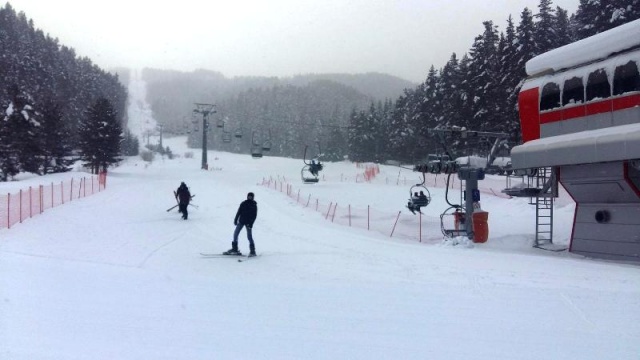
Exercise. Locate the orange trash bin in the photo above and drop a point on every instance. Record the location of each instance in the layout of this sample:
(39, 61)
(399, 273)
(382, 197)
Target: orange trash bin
(480, 226)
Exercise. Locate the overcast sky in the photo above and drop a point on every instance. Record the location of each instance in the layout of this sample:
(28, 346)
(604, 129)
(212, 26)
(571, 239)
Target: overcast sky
(274, 37)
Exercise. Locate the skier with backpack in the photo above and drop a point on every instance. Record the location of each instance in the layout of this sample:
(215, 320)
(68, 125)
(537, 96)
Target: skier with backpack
(245, 216)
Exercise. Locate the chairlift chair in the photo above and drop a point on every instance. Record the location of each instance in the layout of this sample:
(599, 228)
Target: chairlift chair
(452, 222)
(307, 176)
(256, 153)
(311, 169)
(256, 147)
(226, 137)
(266, 143)
(417, 200)
(238, 133)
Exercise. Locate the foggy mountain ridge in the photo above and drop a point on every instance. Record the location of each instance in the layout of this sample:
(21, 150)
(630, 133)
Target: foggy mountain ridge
(379, 86)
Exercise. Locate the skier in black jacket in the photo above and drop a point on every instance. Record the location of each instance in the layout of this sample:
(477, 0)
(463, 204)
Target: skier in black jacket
(184, 196)
(246, 216)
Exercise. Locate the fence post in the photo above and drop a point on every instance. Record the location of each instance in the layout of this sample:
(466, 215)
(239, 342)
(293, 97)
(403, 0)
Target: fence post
(30, 203)
(41, 197)
(52, 194)
(71, 191)
(394, 225)
(316, 204)
(8, 210)
(62, 191)
(309, 199)
(328, 211)
(334, 211)
(20, 207)
(298, 199)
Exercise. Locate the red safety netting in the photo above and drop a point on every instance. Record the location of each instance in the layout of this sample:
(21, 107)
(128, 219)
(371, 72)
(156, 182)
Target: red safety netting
(26, 203)
(400, 225)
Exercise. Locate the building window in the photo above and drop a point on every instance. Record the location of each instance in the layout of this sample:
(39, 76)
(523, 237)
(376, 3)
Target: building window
(598, 86)
(573, 91)
(550, 97)
(626, 78)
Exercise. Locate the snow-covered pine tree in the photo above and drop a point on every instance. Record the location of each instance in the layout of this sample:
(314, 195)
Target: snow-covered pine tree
(100, 136)
(483, 77)
(55, 139)
(23, 127)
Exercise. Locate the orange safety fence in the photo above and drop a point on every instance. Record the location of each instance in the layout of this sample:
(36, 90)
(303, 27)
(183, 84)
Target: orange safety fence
(401, 224)
(29, 202)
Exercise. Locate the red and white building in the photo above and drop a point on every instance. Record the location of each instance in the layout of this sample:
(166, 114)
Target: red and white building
(580, 115)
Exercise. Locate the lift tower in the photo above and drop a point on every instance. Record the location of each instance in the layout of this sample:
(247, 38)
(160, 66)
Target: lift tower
(204, 110)
(468, 174)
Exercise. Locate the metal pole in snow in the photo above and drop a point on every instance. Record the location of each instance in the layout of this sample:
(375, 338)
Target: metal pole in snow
(334, 211)
(328, 210)
(394, 225)
(420, 219)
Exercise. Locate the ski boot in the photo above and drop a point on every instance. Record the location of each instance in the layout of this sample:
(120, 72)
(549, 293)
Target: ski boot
(252, 251)
(233, 250)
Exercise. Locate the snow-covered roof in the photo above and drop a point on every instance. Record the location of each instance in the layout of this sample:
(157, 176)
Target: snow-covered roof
(593, 48)
(602, 145)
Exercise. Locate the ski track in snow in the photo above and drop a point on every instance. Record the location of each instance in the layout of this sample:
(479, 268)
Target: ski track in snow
(116, 276)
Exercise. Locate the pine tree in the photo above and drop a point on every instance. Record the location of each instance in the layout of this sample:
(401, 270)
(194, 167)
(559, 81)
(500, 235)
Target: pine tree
(590, 18)
(525, 42)
(23, 130)
(100, 136)
(564, 31)
(596, 16)
(55, 140)
(450, 89)
(130, 144)
(545, 37)
(483, 78)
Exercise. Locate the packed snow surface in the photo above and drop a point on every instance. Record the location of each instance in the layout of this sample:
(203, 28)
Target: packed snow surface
(116, 276)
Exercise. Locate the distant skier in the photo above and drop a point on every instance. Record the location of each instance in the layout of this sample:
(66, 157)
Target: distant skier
(246, 216)
(184, 196)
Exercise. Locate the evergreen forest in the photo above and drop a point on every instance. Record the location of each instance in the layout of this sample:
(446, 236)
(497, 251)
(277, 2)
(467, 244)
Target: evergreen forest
(58, 108)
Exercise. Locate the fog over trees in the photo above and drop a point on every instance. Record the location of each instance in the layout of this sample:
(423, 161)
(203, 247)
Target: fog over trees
(54, 103)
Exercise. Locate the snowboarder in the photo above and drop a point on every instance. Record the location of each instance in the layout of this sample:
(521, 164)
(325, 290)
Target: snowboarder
(183, 196)
(246, 216)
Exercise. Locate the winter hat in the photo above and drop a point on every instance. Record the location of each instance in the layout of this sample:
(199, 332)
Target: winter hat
(250, 194)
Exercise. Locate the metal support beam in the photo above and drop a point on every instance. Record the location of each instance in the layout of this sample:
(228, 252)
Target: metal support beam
(204, 110)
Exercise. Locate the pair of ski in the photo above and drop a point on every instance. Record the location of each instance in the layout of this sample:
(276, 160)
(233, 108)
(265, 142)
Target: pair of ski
(175, 206)
(240, 258)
